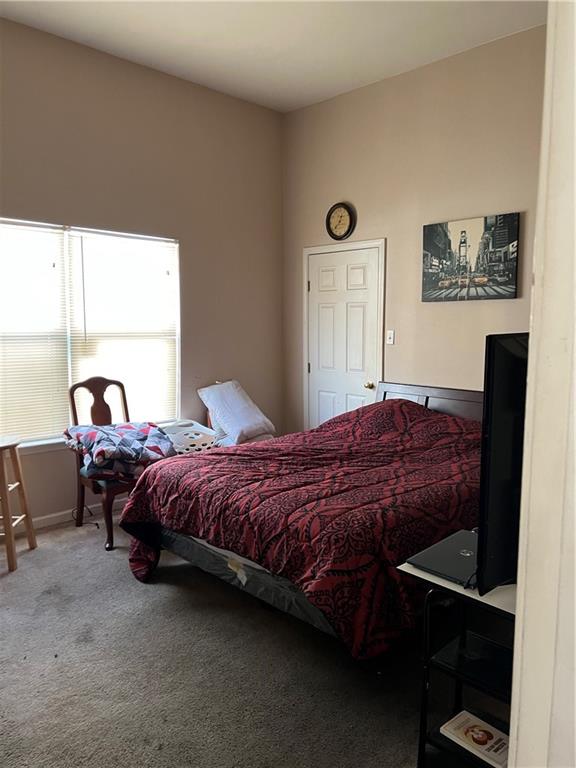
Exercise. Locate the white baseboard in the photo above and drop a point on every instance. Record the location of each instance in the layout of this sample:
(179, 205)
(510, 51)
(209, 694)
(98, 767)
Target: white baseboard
(64, 517)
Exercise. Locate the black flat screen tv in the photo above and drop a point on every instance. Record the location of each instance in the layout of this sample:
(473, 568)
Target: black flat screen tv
(505, 372)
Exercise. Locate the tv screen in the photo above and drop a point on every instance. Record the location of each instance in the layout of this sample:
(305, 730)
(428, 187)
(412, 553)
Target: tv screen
(505, 371)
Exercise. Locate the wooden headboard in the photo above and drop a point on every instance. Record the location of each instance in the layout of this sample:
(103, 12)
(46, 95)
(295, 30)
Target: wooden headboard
(456, 402)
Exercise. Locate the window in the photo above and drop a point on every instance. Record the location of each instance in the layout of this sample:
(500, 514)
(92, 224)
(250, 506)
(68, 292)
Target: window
(78, 303)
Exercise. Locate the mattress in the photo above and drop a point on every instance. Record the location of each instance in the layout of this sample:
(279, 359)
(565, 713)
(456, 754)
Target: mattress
(245, 574)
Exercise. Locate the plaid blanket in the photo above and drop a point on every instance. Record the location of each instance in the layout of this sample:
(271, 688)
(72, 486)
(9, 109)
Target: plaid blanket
(119, 449)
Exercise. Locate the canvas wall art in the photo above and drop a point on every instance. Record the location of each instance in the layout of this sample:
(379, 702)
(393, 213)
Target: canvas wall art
(471, 259)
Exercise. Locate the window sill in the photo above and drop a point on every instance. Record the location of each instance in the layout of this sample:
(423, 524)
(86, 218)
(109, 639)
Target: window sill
(42, 446)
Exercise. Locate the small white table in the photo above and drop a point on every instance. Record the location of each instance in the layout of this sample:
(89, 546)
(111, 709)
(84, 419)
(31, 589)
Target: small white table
(501, 598)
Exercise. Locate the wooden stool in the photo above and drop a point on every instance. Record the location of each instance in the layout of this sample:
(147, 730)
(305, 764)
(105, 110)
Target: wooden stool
(10, 449)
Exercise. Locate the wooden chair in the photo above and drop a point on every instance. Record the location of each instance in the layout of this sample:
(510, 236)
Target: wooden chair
(108, 487)
(10, 521)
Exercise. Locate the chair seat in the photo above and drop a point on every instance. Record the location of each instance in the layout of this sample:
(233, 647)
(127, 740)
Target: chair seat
(104, 481)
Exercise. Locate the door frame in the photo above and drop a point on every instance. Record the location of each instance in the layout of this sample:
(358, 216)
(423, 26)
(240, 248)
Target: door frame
(353, 245)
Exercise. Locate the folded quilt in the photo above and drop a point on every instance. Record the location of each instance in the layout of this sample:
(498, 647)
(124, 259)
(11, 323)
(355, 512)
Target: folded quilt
(119, 449)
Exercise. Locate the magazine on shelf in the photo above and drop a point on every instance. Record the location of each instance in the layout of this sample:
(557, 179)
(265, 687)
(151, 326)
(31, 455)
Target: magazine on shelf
(478, 737)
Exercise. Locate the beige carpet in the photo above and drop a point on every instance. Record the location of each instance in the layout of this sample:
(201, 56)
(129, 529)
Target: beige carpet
(99, 670)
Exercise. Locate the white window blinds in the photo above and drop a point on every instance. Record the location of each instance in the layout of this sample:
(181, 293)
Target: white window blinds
(33, 343)
(76, 303)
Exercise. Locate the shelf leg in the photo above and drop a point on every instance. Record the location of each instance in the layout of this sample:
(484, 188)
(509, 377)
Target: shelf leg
(458, 687)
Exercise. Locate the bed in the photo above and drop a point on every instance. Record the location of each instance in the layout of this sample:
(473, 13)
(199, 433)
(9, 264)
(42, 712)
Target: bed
(316, 523)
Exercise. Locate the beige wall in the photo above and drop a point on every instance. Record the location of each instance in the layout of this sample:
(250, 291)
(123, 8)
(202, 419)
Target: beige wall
(455, 139)
(91, 140)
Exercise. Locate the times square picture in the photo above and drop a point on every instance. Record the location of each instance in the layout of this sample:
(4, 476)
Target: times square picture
(471, 259)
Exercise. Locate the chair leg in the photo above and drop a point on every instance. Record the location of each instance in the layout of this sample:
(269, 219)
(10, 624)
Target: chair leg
(7, 518)
(107, 501)
(80, 495)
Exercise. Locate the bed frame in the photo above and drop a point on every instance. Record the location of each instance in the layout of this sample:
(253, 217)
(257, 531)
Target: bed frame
(466, 403)
(277, 590)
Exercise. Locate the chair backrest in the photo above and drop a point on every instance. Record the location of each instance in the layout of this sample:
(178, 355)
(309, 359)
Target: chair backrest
(100, 412)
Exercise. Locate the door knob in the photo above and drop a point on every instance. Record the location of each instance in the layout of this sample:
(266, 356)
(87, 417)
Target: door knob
(369, 385)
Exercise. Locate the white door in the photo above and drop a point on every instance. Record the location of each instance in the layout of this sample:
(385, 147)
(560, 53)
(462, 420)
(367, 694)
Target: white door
(345, 318)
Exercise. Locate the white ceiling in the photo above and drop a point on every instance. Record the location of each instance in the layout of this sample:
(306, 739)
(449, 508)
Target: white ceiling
(283, 55)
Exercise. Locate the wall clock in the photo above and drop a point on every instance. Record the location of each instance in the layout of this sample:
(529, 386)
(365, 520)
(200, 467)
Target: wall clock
(340, 221)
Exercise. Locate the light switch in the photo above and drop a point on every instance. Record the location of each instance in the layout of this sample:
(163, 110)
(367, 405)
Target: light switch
(390, 337)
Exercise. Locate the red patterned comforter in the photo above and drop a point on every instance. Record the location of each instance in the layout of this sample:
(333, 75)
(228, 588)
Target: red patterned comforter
(334, 509)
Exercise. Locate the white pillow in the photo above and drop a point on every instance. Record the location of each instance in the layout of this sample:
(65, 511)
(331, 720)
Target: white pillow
(220, 432)
(235, 412)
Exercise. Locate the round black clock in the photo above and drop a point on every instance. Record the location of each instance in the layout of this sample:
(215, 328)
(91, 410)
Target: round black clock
(340, 221)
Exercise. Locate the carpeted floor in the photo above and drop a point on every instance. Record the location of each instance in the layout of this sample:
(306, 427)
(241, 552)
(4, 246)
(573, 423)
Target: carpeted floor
(101, 671)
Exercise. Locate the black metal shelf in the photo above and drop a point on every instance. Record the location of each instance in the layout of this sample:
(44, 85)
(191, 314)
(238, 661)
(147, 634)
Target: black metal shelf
(473, 662)
(478, 662)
